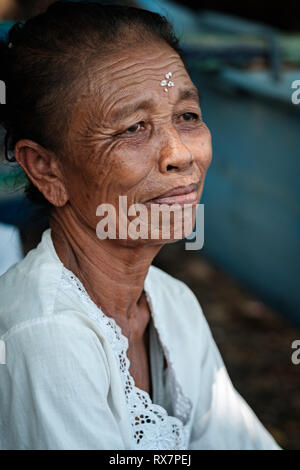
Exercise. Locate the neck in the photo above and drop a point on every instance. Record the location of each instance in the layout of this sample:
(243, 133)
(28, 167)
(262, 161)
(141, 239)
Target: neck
(113, 274)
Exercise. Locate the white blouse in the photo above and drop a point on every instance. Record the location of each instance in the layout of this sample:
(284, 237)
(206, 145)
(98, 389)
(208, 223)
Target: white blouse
(65, 383)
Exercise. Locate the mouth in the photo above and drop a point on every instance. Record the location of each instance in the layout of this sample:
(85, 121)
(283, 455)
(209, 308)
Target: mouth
(180, 195)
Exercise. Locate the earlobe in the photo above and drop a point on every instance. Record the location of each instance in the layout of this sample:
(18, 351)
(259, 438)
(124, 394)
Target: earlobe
(57, 195)
(43, 169)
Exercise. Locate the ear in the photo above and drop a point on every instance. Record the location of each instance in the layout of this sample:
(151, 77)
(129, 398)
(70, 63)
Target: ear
(43, 169)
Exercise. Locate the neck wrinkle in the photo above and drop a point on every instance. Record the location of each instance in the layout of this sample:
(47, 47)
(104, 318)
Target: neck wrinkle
(112, 274)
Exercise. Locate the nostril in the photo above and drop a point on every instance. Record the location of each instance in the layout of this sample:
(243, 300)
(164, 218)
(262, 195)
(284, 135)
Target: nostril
(171, 167)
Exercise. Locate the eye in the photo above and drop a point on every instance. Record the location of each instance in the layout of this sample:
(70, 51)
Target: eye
(190, 117)
(135, 128)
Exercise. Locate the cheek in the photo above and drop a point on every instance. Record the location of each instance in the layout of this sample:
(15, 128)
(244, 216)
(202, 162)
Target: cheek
(129, 165)
(81, 191)
(200, 147)
(116, 169)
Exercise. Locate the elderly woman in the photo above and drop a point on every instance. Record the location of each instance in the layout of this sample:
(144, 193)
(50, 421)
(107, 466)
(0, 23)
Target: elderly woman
(101, 350)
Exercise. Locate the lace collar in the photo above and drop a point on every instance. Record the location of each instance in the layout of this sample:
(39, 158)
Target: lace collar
(152, 428)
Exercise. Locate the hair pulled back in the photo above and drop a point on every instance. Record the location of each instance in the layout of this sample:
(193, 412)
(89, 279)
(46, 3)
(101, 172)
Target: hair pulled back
(45, 57)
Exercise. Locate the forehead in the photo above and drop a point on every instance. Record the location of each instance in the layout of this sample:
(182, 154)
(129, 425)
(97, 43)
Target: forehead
(137, 73)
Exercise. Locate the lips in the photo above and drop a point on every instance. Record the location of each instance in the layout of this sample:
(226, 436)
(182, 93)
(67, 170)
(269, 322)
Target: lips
(181, 194)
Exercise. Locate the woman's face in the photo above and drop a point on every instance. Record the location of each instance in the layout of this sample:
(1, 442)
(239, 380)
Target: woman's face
(129, 137)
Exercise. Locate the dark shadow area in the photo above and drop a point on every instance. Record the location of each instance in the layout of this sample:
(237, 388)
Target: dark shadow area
(280, 15)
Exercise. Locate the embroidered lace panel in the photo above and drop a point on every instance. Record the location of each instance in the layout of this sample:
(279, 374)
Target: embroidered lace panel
(152, 428)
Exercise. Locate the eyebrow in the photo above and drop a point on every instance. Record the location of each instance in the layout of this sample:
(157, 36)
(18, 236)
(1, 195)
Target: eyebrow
(188, 93)
(131, 108)
(121, 113)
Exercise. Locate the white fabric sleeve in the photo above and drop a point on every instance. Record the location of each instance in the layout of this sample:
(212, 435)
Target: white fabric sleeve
(54, 389)
(223, 420)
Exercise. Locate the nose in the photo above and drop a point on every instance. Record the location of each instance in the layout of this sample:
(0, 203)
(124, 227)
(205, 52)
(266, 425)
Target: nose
(174, 155)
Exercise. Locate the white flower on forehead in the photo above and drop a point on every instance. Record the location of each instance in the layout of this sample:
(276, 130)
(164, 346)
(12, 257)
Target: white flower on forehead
(167, 82)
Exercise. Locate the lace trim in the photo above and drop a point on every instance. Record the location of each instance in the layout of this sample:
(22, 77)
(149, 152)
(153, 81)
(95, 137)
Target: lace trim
(152, 428)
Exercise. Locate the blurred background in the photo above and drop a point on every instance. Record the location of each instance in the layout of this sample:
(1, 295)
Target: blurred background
(243, 57)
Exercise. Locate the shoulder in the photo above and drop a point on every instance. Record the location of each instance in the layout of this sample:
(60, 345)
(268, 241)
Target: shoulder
(176, 302)
(62, 342)
(182, 328)
(61, 378)
(172, 290)
(170, 287)
(28, 290)
(35, 312)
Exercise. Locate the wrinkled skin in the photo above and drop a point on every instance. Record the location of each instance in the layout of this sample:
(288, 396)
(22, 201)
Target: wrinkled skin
(112, 151)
